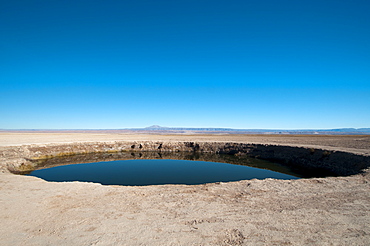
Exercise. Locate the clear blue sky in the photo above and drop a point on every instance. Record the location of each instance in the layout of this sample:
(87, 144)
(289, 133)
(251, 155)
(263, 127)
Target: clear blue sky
(185, 63)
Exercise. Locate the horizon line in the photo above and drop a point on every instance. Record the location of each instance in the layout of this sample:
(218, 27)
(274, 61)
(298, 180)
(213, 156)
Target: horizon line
(170, 128)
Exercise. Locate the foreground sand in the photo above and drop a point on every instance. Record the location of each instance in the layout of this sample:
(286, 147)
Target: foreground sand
(330, 211)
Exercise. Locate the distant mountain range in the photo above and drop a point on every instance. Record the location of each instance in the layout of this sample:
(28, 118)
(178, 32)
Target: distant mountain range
(207, 130)
(157, 128)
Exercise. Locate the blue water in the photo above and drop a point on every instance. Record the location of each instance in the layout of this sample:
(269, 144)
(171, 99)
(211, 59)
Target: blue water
(155, 172)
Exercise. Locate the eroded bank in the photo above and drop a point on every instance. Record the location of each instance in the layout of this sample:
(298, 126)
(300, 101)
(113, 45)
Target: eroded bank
(334, 163)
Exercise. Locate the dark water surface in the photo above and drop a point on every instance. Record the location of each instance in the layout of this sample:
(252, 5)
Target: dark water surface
(163, 171)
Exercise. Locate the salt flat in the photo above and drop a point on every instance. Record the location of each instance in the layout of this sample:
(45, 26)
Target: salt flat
(318, 211)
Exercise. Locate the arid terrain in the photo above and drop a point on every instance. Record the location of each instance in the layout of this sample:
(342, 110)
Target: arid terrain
(316, 211)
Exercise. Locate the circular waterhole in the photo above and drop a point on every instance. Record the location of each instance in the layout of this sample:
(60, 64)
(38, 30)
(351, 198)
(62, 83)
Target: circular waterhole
(188, 169)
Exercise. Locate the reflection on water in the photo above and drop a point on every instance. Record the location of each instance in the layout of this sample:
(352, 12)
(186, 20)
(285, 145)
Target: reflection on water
(150, 168)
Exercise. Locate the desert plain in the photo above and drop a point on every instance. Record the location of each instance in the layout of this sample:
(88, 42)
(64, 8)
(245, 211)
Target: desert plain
(315, 211)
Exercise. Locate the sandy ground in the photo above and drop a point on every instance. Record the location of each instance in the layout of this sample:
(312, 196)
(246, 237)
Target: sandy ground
(330, 211)
(351, 143)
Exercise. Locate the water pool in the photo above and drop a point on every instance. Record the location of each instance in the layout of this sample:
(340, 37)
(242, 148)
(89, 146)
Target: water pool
(159, 171)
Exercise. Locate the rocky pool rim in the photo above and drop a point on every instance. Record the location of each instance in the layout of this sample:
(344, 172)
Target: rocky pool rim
(338, 163)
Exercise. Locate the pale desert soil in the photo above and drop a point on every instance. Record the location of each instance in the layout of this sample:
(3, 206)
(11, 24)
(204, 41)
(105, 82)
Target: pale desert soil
(349, 143)
(328, 211)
